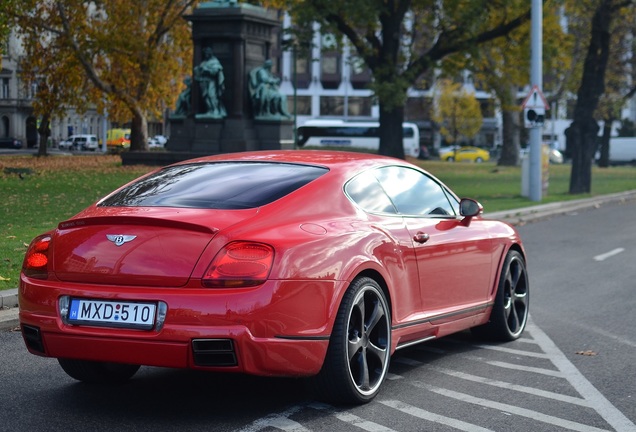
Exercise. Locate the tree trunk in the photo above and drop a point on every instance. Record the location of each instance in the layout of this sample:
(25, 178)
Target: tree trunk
(510, 146)
(44, 131)
(582, 133)
(603, 161)
(391, 139)
(585, 135)
(139, 132)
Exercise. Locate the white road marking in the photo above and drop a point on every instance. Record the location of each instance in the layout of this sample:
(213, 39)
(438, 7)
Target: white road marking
(352, 419)
(513, 366)
(602, 406)
(513, 351)
(609, 254)
(432, 417)
(391, 376)
(279, 421)
(510, 386)
(537, 416)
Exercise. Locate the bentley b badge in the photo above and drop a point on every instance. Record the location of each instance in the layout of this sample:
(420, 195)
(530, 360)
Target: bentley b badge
(120, 239)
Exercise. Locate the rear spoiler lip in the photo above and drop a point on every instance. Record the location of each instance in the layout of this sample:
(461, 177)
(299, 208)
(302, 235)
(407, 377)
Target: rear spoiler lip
(135, 220)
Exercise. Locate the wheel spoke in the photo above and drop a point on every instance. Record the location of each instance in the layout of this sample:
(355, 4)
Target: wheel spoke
(356, 329)
(376, 315)
(378, 352)
(514, 274)
(512, 318)
(363, 379)
(358, 316)
(353, 348)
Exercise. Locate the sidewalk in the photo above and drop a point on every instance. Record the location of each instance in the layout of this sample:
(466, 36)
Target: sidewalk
(9, 298)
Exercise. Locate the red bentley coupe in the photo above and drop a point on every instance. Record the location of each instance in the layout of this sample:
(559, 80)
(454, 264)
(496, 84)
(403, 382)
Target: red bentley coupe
(282, 263)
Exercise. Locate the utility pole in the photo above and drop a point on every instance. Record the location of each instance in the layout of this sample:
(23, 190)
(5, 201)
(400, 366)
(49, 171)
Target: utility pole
(536, 78)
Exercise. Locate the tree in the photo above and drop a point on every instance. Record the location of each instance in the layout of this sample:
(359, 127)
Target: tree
(582, 133)
(502, 67)
(400, 40)
(457, 111)
(129, 55)
(57, 77)
(617, 89)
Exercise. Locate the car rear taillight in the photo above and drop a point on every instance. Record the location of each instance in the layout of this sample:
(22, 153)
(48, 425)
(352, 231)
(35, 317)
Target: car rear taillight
(239, 264)
(36, 260)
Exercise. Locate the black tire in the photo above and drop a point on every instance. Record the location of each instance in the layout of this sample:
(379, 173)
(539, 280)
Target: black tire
(510, 312)
(450, 159)
(98, 372)
(358, 356)
(479, 160)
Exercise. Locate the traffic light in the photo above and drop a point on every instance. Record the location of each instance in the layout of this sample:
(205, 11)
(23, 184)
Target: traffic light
(534, 117)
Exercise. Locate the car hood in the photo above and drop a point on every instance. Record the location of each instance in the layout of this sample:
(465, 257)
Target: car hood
(136, 246)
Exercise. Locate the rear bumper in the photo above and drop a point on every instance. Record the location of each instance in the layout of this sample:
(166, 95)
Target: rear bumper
(270, 357)
(279, 329)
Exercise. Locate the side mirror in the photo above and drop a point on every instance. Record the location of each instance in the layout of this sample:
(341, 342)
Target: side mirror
(470, 208)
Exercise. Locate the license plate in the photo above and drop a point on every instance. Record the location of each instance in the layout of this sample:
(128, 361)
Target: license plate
(112, 313)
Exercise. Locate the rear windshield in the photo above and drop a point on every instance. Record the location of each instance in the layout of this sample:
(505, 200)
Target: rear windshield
(228, 185)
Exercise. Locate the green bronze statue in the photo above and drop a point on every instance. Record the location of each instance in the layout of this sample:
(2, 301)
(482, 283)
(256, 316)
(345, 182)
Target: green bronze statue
(184, 101)
(267, 101)
(209, 75)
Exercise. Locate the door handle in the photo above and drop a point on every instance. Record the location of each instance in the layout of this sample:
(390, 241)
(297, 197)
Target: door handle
(421, 237)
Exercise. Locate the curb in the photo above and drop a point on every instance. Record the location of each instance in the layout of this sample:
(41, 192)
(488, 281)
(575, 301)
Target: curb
(9, 309)
(9, 298)
(543, 211)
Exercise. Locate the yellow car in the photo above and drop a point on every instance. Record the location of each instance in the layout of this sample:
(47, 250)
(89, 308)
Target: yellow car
(465, 154)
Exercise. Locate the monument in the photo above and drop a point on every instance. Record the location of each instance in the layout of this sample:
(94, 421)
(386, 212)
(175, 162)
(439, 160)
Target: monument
(231, 102)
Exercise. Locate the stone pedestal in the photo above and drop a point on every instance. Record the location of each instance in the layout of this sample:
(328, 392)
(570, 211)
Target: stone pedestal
(273, 134)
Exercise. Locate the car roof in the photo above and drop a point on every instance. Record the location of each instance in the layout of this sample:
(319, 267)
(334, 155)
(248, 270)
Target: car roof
(334, 160)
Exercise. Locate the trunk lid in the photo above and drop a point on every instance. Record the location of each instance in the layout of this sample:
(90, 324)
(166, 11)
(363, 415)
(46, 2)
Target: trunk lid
(138, 246)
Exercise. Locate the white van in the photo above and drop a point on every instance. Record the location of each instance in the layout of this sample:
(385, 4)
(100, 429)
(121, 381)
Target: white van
(622, 150)
(80, 142)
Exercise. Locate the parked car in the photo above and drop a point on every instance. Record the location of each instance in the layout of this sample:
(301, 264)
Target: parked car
(285, 263)
(464, 154)
(65, 144)
(555, 156)
(161, 140)
(153, 143)
(10, 142)
(80, 142)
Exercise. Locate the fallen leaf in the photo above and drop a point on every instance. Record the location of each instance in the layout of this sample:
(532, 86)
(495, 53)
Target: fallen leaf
(4, 279)
(586, 353)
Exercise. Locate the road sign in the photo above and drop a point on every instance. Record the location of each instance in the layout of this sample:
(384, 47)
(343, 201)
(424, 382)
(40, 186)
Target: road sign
(534, 107)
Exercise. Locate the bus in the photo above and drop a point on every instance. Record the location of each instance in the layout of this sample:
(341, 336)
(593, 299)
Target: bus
(338, 133)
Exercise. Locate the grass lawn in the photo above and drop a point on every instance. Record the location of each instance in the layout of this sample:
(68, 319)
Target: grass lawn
(37, 193)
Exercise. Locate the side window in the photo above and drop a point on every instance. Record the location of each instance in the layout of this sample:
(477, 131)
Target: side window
(365, 191)
(415, 193)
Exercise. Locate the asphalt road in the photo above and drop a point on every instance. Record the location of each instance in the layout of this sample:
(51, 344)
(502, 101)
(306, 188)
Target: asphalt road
(572, 370)
(583, 282)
